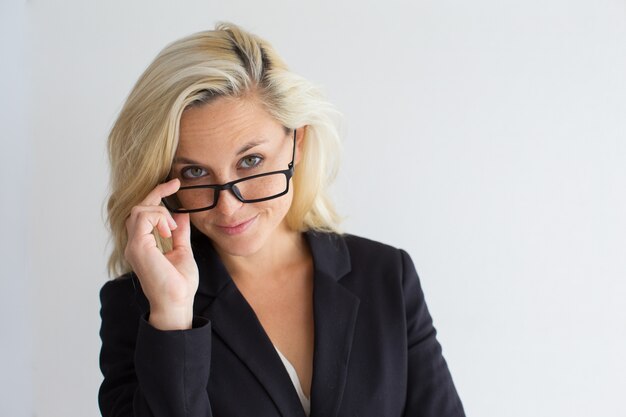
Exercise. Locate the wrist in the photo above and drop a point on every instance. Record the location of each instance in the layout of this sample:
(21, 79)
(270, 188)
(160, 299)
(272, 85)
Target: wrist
(171, 318)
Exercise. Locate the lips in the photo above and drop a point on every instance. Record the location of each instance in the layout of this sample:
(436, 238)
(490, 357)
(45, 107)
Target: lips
(237, 228)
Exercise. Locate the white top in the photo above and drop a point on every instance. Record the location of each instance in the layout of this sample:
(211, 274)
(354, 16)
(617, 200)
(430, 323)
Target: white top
(306, 403)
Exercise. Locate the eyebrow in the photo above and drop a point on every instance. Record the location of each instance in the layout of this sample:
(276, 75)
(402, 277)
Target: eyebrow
(250, 145)
(245, 148)
(183, 160)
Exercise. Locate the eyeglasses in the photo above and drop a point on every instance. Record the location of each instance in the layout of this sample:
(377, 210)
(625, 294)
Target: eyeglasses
(252, 189)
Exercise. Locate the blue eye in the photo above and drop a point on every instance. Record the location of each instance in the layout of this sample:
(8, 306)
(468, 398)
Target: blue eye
(193, 172)
(251, 161)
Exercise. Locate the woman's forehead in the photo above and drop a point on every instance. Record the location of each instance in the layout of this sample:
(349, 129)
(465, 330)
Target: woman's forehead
(228, 123)
(233, 120)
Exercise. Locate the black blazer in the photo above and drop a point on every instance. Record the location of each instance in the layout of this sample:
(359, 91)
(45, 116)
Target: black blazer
(375, 354)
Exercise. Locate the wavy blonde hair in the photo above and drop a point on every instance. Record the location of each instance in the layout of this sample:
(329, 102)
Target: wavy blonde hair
(227, 61)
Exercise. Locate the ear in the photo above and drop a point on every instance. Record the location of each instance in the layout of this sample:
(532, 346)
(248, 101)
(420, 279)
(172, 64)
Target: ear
(300, 137)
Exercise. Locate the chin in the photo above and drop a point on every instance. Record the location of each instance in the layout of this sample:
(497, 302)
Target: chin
(242, 243)
(240, 246)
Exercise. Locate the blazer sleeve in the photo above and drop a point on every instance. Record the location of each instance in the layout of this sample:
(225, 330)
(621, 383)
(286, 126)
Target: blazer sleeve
(149, 372)
(431, 391)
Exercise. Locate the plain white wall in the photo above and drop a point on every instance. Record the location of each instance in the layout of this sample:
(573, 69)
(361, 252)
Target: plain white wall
(16, 283)
(491, 133)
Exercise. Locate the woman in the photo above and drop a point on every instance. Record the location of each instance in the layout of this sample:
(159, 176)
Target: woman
(239, 296)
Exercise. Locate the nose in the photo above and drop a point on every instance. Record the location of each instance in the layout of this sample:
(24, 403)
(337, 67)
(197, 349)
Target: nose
(227, 203)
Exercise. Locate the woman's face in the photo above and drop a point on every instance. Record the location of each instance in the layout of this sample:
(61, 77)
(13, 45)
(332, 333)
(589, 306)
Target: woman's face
(225, 140)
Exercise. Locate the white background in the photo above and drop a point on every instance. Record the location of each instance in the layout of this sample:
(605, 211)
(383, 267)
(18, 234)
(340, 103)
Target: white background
(486, 137)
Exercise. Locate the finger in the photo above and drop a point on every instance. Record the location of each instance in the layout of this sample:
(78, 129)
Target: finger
(139, 213)
(163, 227)
(160, 191)
(181, 237)
(145, 220)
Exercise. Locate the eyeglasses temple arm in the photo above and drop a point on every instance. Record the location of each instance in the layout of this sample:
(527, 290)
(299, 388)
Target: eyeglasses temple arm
(293, 153)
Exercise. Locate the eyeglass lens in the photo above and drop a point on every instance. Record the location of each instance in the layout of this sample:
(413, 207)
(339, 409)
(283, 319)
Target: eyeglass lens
(258, 188)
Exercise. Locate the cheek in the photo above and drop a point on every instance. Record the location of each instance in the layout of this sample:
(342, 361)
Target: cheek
(284, 203)
(199, 219)
(275, 210)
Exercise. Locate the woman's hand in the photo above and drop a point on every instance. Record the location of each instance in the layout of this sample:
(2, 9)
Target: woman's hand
(168, 280)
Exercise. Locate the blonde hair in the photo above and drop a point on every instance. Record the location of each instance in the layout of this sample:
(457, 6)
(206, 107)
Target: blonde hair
(226, 61)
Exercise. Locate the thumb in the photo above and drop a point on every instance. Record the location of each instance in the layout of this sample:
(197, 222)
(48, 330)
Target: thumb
(181, 236)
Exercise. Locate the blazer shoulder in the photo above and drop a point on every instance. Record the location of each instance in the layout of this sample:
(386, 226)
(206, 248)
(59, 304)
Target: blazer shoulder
(124, 284)
(365, 247)
(370, 257)
(122, 293)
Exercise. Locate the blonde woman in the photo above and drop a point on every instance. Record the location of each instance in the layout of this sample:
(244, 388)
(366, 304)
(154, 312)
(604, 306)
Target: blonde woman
(238, 295)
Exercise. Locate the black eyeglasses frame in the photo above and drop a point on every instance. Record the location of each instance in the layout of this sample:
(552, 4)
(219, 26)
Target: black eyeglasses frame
(231, 186)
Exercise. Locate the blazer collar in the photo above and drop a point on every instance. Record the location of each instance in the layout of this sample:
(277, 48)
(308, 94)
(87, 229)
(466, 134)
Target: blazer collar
(330, 254)
(235, 323)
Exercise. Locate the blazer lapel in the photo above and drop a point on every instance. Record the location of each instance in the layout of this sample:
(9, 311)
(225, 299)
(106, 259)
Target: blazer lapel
(335, 314)
(234, 321)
